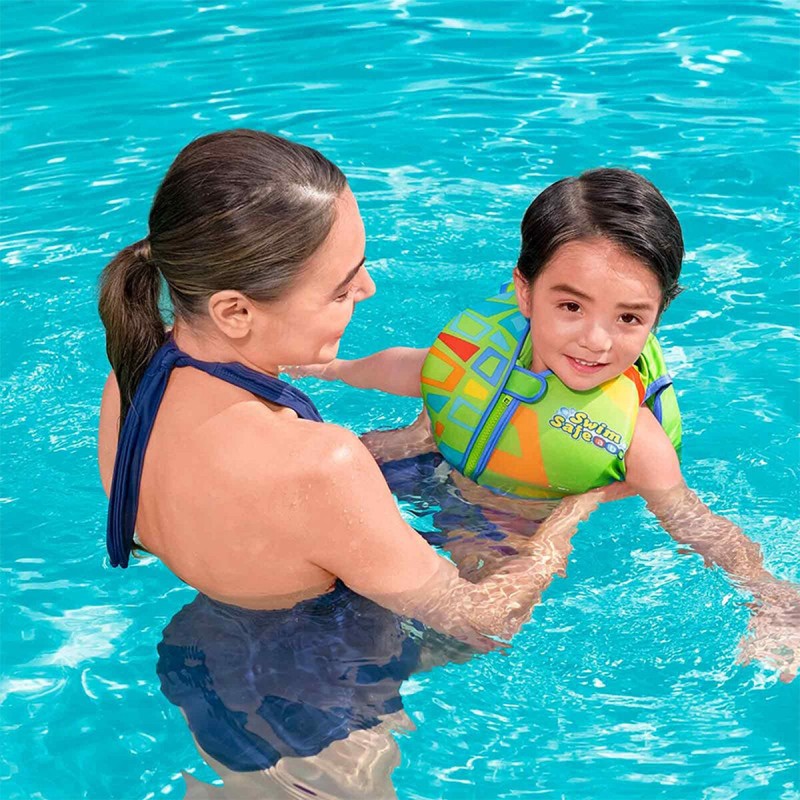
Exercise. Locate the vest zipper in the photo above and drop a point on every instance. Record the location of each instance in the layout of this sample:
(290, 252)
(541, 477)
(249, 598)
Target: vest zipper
(477, 448)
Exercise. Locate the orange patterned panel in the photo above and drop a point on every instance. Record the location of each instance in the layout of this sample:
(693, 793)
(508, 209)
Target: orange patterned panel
(527, 468)
(452, 379)
(634, 375)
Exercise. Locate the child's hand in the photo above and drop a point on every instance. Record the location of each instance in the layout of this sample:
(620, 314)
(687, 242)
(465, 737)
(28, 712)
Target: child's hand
(326, 372)
(773, 635)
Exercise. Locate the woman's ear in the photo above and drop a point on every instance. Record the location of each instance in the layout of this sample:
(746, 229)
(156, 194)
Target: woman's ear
(523, 290)
(232, 313)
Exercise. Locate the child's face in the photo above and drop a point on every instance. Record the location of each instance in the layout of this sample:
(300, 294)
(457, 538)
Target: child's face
(591, 310)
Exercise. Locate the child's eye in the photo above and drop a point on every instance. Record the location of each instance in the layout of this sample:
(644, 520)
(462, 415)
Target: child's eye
(570, 306)
(630, 319)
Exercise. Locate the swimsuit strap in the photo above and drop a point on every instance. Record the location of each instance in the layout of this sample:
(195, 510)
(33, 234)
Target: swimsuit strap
(135, 433)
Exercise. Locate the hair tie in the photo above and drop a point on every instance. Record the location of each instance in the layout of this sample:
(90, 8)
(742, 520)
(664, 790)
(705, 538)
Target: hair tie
(141, 249)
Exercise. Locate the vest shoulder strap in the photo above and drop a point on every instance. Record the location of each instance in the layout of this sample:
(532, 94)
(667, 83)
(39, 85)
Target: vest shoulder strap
(659, 393)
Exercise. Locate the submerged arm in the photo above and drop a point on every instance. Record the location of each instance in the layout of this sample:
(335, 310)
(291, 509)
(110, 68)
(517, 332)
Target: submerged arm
(654, 472)
(369, 546)
(497, 604)
(393, 445)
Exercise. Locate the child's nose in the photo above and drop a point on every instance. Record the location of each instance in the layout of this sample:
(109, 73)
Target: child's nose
(596, 337)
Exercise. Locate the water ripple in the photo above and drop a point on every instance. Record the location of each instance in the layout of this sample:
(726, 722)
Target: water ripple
(448, 118)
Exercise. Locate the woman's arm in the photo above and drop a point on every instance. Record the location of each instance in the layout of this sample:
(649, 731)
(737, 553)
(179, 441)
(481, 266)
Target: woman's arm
(108, 431)
(360, 537)
(394, 371)
(653, 471)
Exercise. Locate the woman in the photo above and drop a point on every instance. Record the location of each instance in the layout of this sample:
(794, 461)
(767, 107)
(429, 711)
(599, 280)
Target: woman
(227, 474)
(261, 246)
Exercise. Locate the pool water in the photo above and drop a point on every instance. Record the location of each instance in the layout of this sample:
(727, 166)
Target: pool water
(448, 117)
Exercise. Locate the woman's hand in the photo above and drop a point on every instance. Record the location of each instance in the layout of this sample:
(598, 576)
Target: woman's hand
(400, 443)
(773, 635)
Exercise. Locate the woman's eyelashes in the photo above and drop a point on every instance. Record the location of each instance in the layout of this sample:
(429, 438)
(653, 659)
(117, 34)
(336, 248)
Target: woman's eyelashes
(347, 293)
(630, 319)
(343, 296)
(349, 290)
(571, 306)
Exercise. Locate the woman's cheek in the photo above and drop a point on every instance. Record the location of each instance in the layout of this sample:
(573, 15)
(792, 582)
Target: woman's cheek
(346, 313)
(338, 319)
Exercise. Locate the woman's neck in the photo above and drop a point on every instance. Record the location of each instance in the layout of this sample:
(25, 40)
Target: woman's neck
(204, 344)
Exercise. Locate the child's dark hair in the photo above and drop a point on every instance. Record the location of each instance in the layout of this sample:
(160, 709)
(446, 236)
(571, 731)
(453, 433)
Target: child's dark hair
(613, 204)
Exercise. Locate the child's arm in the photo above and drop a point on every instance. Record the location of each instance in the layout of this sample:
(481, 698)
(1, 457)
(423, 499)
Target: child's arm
(653, 471)
(395, 371)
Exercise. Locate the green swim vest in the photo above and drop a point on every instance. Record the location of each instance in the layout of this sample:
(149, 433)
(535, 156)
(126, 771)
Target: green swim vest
(526, 433)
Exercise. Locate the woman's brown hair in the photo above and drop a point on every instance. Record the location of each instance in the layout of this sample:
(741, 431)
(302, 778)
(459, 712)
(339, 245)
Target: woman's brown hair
(240, 210)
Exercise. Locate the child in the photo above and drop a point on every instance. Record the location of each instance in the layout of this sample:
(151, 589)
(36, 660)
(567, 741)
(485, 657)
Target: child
(558, 386)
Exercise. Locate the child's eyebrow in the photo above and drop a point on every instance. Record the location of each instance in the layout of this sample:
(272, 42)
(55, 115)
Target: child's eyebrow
(350, 275)
(565, 287)
(645, 305)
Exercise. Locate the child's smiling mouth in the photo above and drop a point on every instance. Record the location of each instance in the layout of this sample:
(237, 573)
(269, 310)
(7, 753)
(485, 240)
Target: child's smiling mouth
(585, 367)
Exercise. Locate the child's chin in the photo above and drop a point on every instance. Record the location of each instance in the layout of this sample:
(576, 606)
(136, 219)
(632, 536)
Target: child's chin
(578, 384)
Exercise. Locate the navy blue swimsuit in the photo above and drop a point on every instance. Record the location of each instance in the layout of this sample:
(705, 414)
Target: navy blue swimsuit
(258, 685)
(255, 686)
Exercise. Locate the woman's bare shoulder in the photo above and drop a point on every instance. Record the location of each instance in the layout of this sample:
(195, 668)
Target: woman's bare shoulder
(255, 442)
(246, 438)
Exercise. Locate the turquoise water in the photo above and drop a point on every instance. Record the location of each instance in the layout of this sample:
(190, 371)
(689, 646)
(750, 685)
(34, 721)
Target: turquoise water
(447, 117)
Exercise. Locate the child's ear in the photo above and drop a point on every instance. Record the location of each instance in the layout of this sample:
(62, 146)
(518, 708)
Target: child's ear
(523, 290)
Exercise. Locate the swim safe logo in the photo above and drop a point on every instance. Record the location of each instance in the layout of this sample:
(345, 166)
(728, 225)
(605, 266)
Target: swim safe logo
(580, 426)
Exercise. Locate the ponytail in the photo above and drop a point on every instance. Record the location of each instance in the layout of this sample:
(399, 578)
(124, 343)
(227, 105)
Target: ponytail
(129, 291)
(241, 210)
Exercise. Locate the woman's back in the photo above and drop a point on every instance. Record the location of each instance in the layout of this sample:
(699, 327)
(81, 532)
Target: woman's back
(219, 484)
